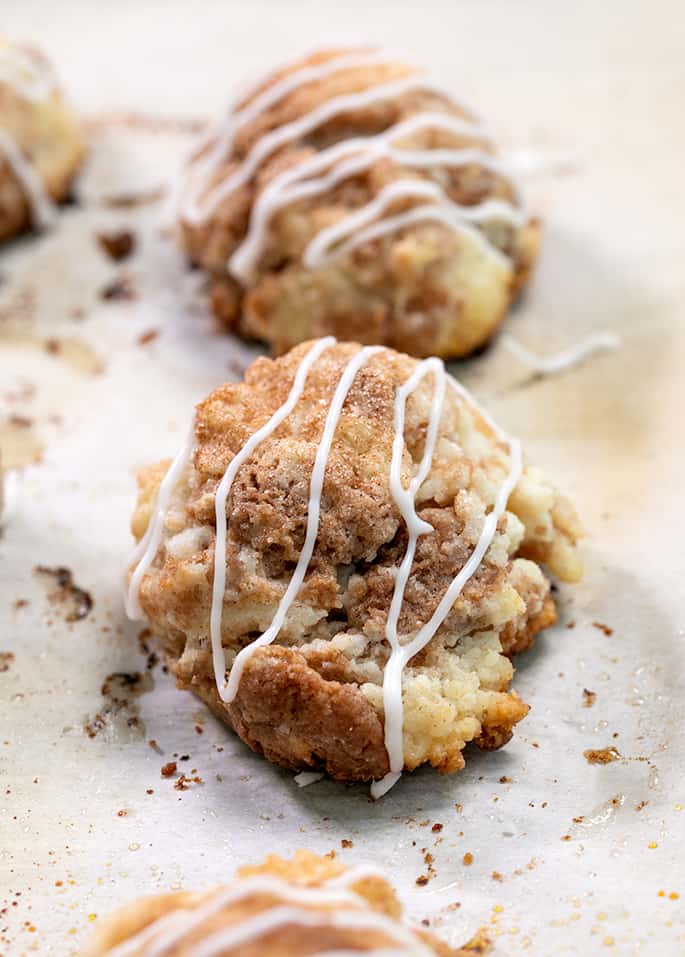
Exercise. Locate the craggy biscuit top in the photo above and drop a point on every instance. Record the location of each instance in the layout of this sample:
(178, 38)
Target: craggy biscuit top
(348, 179)
(380, 519)
(308, 905)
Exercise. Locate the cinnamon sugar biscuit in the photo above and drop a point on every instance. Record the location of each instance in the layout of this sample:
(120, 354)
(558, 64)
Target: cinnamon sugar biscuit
(348, 194)
(41, 147)
(379, 559)
(282, 908)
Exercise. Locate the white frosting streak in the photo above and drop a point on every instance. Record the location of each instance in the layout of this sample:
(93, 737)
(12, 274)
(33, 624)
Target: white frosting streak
(41, 207)
(567, 358)
(144, 553)
(228, 691)
(31, 79)
(160, 937)
(221, 496)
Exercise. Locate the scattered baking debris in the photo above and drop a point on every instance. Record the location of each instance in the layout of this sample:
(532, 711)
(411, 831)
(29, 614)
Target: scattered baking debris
(118, 245)
(601, 755)
(480, 943)
(143, 197)
(119, 711)
(183, 782)
(603, 628)
(77, 600)
(346, 842)
(640, 805)
(467, 859)
(6, 659)
(119, 289)
(437, 827)
(589, 698)
(145, 337)
(169, 769)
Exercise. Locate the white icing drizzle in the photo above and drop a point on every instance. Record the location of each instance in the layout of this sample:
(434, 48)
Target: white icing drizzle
(567, 358)
(26, 72)
(402, 653)
(305, 778)
(162, 936)
(41, 207)
(145, 551)
(402, 649)
(341, 161)
(228, 690)
(31, 78)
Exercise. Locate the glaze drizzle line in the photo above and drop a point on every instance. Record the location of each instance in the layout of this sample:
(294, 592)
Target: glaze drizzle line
(342, 160)
(164, 934)
(31, 79)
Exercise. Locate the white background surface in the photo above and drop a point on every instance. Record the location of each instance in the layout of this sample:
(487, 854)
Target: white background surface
(594, 94)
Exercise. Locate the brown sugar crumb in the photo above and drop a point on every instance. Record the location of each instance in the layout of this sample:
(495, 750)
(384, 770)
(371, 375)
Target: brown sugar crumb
(345, 842)
(78, 601)
(504, 779)
(566, 837)
(603, 628)
(120, 691)
(148, 336)
(152, 743)
(436, 828)
(422, 880)
(467, 859)
(571, 624)
(601, 755)
(183, 782)
(496, 876)
(199, 729)
(6, 659)
(119, 289)
(117, 245)
(640, 805)
(20, 603)
(122, 813)
(589, 698)
(132, 200)
(169, 769)
(479, 944)
(149, 791)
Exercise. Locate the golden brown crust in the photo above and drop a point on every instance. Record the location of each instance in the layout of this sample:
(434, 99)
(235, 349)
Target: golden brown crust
(424, 289)
(314, 699)
(373, 895)
(47, 134)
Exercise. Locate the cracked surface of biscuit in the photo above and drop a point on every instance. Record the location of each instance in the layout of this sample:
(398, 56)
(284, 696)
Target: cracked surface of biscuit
(314, 698)
(41, 147)
(330, 909)
(426, 286)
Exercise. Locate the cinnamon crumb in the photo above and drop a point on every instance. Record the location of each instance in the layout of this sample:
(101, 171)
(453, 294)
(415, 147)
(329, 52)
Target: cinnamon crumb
(117, 245)
(467, 859)
(601, 755)
(148, 336)
(169, 769)
(345, 842)
(589, 698)
(603, 628)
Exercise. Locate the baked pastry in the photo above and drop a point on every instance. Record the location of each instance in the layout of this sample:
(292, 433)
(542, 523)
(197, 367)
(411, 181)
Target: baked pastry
(347, 194)
(281, 908)
(41, 147)
(331, 564)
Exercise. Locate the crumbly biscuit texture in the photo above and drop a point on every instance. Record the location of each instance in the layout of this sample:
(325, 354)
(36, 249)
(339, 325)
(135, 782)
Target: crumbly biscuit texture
(437, 284)
(331, 909)
(313, 699)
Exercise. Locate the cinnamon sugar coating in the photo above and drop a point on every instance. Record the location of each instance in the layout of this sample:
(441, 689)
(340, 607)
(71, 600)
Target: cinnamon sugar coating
(424, 289)
(313, 699)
